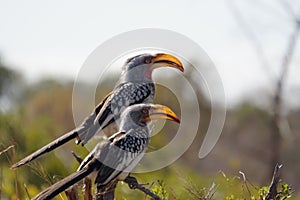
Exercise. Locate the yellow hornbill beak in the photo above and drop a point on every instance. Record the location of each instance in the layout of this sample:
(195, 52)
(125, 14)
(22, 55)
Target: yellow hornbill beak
(162, 112)
(166, 60)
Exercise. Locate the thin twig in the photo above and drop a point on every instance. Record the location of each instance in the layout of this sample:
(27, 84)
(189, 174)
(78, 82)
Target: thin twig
(39, 170)
(77, 157)
(192, 188)
(245, 182)
(7, 149)
(192, 192)
(26, 190)
(211, 192)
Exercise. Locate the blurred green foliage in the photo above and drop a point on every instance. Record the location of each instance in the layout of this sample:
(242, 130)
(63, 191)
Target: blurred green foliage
(45, 112)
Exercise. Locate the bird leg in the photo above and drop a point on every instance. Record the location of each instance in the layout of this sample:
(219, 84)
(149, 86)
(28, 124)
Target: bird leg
(72, 193)
(87, 189)
(106, 192)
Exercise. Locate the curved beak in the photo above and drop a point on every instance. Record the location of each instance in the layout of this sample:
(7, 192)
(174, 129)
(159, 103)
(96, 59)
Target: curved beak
(162, 112)
(166, 60)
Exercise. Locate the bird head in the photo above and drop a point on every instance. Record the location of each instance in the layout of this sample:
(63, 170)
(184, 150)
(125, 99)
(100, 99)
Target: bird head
(142, 114)
(140, 67)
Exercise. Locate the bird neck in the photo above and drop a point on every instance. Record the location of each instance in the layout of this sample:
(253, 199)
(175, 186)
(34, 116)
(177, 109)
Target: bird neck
(137, 75)
(134, 80)
(128, 124)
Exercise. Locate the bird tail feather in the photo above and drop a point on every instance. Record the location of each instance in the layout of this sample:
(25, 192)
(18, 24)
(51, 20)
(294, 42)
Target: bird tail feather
(63, 184)
(47, 148)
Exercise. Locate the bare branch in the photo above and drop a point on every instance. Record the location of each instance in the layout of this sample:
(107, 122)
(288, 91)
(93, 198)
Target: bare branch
(276, 121)
(77, 157)
(292, 43)
(273, 187)
(268, 7)
(249, 33)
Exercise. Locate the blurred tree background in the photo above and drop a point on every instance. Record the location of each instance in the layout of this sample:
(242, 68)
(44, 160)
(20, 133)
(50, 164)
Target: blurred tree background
(261, 129)
(39, 112)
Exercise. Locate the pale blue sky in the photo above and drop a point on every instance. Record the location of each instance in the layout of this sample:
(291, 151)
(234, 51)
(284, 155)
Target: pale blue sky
(53, 38)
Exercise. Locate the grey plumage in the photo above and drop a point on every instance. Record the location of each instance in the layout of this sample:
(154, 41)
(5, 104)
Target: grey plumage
(134, 86)
(119, 154)
(124, 95)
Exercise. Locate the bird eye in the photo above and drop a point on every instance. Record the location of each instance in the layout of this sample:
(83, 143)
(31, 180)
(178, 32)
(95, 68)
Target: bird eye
(148, 60)
(145, 111)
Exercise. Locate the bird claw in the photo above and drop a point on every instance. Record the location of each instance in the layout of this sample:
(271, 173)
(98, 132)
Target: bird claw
(132, 182)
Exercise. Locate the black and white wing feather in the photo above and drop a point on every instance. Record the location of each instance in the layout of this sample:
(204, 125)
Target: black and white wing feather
(108, 160)
(123, 96)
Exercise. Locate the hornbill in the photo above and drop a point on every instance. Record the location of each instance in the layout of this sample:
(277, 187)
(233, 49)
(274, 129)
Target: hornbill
(113, 159)
(134, 86)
